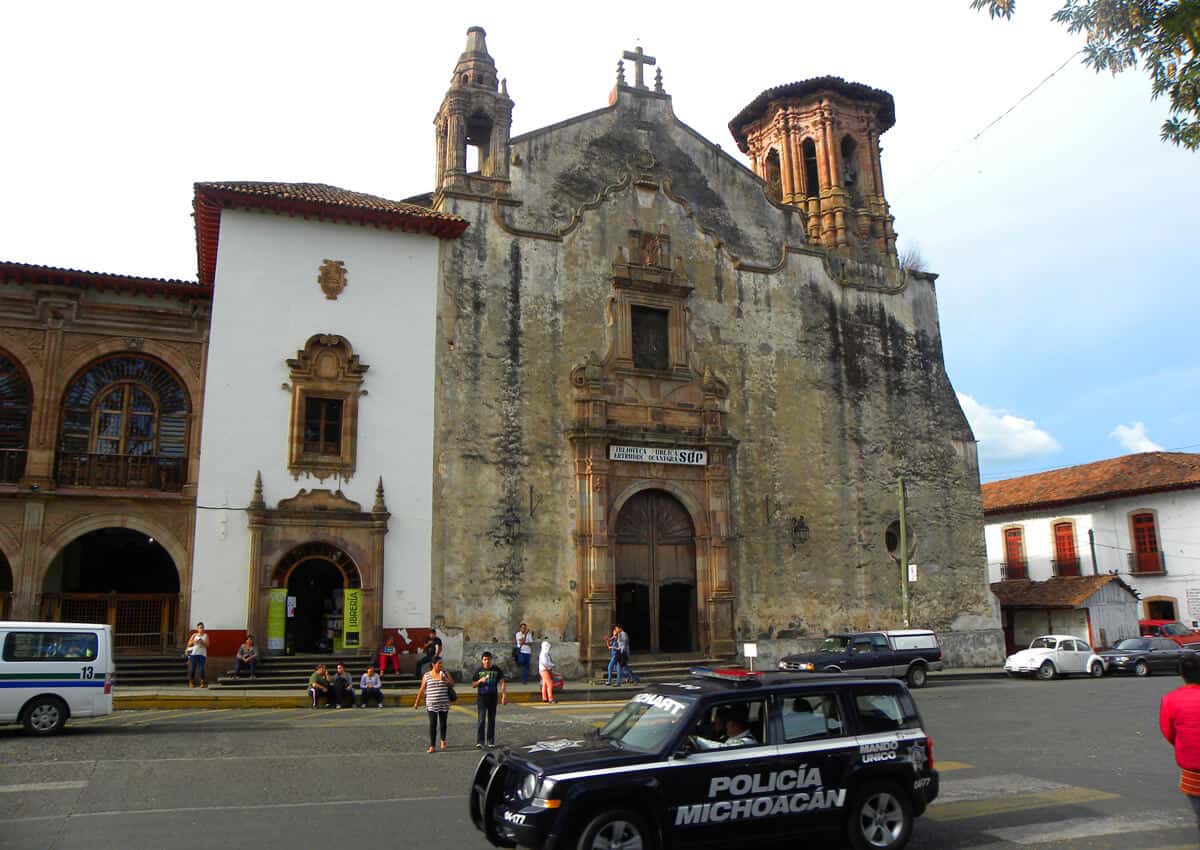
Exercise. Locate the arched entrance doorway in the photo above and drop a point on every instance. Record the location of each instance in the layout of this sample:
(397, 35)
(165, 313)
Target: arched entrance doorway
(6, 588)
(316, 576)
(117, 576)
(655, 555)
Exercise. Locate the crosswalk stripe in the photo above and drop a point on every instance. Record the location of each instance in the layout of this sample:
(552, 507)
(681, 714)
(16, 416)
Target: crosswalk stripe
(1069, 795)
(43, 786)
(1089, 827)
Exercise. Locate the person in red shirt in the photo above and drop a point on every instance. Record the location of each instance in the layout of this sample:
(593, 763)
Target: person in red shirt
(1179, 720)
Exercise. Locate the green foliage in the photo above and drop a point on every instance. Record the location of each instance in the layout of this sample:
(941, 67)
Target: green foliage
(1163, 36)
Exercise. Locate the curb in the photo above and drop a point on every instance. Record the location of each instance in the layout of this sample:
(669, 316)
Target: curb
(583, 693)
(286, 700)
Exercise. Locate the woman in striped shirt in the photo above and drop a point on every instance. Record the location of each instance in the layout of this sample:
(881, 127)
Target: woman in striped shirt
(435, 687)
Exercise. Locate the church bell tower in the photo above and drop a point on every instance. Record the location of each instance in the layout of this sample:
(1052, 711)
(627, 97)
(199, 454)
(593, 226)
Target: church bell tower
(473, 125)
(816, 144)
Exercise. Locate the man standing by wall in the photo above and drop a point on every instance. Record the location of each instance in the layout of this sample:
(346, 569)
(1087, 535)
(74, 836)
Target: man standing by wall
(523, 652)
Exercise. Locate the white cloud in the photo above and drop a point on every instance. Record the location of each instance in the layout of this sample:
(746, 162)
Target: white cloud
(1133, 437)
(1003, 437)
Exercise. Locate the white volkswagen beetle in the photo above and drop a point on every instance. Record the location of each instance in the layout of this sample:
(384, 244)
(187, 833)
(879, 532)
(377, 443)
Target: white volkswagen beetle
(1050, 656)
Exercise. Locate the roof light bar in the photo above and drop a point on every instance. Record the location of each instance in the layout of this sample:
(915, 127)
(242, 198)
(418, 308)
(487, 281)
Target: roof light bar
(735, 675)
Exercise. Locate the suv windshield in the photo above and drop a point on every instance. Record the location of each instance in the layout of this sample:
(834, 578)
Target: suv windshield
(1043, 643)
(1177, 629)
(1131, 644)
(648, 721)
(835, 643)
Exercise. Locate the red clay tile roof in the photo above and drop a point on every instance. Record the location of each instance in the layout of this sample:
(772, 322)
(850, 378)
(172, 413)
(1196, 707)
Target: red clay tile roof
(1128, 475)
(1057, 592)
(856, 91)
(50, 275)
(308, 200)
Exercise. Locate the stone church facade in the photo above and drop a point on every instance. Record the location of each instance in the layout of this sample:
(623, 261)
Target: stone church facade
(679, 393)
(637, 382)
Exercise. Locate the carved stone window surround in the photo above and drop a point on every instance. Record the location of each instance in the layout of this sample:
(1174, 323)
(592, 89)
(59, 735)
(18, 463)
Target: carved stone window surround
(326, 368)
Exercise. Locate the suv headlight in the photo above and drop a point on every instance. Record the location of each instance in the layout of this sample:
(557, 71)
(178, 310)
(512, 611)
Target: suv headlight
(529, 787)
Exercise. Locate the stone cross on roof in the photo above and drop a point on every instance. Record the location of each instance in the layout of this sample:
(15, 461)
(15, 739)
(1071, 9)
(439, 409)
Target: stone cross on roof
(639, 58)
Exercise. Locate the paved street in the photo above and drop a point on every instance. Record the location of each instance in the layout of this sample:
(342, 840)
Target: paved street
(1075, 763)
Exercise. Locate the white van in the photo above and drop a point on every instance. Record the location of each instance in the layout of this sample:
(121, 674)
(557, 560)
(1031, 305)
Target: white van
(52, 671)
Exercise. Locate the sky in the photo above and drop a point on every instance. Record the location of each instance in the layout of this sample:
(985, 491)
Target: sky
(1064, 234)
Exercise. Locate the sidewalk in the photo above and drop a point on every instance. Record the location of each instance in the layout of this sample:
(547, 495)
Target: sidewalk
(181, 696)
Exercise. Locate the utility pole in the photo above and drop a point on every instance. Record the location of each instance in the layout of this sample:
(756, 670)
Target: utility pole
(903, 558)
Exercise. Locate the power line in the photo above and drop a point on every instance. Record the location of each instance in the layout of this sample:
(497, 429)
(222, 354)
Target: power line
(975, 138)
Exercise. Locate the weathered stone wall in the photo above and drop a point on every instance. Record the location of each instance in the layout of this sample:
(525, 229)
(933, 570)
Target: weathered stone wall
(836, 389)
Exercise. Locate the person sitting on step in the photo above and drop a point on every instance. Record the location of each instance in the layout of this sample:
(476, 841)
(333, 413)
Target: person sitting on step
(370, 687)
(318, 686)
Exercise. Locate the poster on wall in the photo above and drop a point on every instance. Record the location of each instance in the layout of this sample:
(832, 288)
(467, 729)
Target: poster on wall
(276, 610)
(351, 622)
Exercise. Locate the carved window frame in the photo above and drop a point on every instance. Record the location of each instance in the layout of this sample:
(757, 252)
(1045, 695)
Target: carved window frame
(326, 368)
(648, 280)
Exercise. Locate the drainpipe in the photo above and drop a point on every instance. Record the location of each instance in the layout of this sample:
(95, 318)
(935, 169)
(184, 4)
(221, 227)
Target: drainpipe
(1092, 544)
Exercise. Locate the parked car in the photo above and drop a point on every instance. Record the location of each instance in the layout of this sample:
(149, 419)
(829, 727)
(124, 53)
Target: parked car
(1051, 656)
(907, 654)
(1143, 656)
(1172, 629)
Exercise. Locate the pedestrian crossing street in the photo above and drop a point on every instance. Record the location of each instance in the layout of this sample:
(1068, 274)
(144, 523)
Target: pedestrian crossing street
(975, 810)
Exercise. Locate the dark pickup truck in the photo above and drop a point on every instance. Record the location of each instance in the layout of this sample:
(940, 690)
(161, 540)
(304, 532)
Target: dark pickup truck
(907, 654)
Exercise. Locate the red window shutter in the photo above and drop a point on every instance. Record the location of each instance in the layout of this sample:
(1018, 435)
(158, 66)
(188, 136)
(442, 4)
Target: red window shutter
(1014, 553)
(1145, 543)
(1065, 555)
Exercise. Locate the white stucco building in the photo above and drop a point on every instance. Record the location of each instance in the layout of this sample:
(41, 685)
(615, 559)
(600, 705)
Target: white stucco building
(1137, 516)
(320, 385)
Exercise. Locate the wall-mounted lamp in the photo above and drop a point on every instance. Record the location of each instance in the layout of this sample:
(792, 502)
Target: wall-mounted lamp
(800, 531)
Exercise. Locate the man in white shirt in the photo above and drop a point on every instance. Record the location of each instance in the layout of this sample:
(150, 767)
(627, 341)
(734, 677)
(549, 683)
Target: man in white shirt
(523, 652)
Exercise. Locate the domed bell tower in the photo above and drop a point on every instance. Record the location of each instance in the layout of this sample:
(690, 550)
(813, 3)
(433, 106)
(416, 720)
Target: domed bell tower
(473, 125)
(816, 144)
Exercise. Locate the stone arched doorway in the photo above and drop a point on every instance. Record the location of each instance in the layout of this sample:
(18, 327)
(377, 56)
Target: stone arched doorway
(118, 576)
(316, 576)
(655, 571)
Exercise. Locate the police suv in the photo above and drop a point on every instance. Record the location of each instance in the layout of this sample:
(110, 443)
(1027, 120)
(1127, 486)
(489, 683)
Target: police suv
(724, 758)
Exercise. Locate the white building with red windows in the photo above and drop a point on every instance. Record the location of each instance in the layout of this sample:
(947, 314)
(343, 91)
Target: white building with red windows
(1136, 516)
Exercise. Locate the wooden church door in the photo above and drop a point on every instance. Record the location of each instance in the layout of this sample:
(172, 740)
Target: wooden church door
(655, 556)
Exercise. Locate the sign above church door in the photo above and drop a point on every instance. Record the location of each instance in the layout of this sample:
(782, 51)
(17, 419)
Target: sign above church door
(646, 454)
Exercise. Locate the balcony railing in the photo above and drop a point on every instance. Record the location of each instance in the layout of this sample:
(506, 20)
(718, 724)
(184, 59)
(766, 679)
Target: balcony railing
(1147, 562)
(134, 472)
(1014, 570)
(12, 465)
(1066, 567)
(142, 622)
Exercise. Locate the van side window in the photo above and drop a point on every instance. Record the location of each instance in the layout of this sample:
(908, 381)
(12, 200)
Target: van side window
(884, 711)
(879, 642)
(50, 646)
(811, 716)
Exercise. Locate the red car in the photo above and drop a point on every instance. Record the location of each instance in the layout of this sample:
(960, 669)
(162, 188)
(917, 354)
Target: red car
(1172, 629)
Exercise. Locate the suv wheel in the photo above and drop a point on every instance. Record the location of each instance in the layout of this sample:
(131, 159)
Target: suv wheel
(880, 818)
(1046, 672)
(616, 830)
(917, 676)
